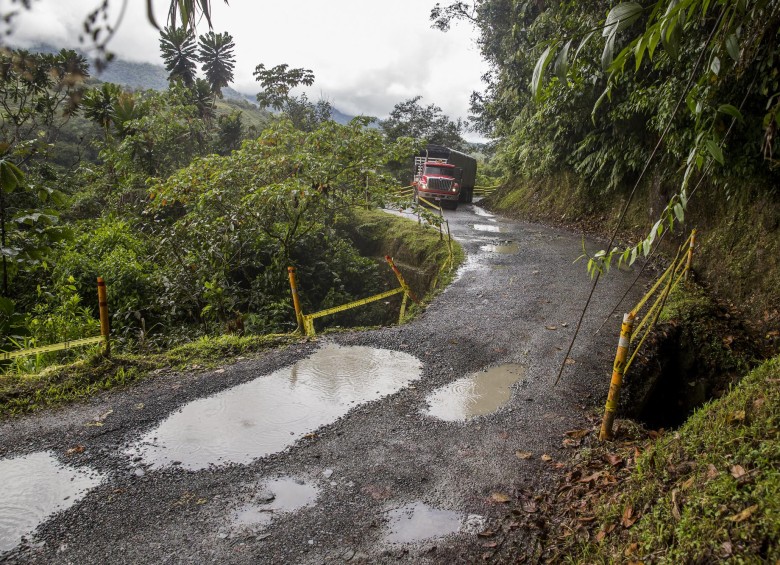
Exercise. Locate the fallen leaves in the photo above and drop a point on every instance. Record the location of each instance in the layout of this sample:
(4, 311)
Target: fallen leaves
(74, 450)
(546, 457)
(744, 515)
(523, 454)
(552, 328)
(499, 498)
(578, 434)
(629, 518)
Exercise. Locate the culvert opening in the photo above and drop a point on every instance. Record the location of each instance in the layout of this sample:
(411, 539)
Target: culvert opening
(672, 381)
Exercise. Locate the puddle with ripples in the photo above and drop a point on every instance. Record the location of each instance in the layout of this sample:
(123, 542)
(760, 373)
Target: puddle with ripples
(418, 522)
(487, 227)
(270, 413)
(278, 496)
(507, 248)
(474, 395)
(32, 488)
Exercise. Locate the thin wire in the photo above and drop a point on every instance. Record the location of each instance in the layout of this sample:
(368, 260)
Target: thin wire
(636, 186)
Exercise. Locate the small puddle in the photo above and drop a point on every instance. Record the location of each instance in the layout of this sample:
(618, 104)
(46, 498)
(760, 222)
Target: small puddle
(477, 394)
(487, 227)
(276, 497)
(482, 212)
(507, 248)
(270, 413)
(32, 488)
(418, 522)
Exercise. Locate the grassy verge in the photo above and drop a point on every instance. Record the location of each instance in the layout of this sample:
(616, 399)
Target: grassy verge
(419, 249)
(81, 379)
(706, 493)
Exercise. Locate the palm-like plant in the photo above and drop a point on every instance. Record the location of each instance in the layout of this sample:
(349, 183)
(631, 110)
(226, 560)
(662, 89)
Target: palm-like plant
(215, 52)
(99, 104)
(177, 45)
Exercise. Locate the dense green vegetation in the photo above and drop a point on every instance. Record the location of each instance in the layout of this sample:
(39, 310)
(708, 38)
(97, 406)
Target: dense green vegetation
(580, 95)
(189, 206)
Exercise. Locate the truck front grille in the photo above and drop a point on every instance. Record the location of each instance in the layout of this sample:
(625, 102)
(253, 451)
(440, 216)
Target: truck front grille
(440, 184)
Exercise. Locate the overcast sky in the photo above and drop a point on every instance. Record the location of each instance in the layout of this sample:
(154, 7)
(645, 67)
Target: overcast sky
(366, 55)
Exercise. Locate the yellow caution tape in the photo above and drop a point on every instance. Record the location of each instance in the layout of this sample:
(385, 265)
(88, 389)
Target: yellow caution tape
(49, 348)
(429, 203)
(355, 304)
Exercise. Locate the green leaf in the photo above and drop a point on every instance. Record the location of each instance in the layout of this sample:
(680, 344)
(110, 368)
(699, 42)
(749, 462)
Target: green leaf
(731, 111)
(732, 47)
(10, 176)
(679, 212)
(652, 43)
(714, 150)
(562, 62)
(620, 17)
(609, 52)
(541, 65)
(715, 66)
(582, 44)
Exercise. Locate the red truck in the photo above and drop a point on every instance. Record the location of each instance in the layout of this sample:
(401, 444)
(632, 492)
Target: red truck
(444, 176)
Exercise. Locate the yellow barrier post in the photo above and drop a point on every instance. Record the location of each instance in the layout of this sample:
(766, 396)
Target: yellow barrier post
(104, 327)
(690, 254)
(296, 299)
(401, 280)
(617, 377)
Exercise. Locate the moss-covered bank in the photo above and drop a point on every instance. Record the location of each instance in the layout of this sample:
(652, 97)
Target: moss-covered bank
(738, 256)
(709, 492)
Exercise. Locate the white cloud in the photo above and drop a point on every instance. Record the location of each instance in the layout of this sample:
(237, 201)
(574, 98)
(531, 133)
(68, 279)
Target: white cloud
(366, 55)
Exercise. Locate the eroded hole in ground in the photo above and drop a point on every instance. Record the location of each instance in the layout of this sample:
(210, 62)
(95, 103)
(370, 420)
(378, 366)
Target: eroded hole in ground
(419, 522)
(477, 394)
(278, 496)
(32, 488)
(503, 248)
(270, 413)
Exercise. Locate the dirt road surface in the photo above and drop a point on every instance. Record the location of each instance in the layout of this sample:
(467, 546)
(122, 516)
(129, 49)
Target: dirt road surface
(394, 474)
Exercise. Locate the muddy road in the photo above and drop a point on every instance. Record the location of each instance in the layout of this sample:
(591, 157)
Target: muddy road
(401, 443)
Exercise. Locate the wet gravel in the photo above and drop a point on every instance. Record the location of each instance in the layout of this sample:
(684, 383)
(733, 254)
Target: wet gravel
(517, 307)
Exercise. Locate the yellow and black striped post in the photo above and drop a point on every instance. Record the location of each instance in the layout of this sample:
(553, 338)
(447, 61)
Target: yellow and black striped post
(617, 377)
(104, 327)
(296, 299)
(691, 247)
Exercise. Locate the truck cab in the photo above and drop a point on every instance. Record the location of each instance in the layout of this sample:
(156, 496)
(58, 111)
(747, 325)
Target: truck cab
(444, 175)
(438, 181)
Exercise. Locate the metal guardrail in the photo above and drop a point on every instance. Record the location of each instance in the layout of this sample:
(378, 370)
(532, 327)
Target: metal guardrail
(667, 282)
(306, 321)
(72, 343)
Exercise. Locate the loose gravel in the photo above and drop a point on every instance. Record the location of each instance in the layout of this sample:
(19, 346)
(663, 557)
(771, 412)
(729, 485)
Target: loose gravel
(516, 300)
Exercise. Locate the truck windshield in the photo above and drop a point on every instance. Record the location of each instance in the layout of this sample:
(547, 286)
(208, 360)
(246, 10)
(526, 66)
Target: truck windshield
(438, 170)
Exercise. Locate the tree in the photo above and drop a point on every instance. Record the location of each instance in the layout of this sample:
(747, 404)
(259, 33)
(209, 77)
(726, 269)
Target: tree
(178, 48)
(215, 52)
(39, 93)
(429, 123)
(100, 105)
(278, 82)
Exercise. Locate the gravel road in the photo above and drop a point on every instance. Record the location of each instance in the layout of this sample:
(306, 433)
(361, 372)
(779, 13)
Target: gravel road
(384, 481)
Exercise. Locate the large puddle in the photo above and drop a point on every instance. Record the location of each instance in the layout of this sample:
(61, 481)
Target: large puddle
(270, 413)
(477, 394)
(32, 488)
(506, 248)
(418, 522)
(278, 496)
